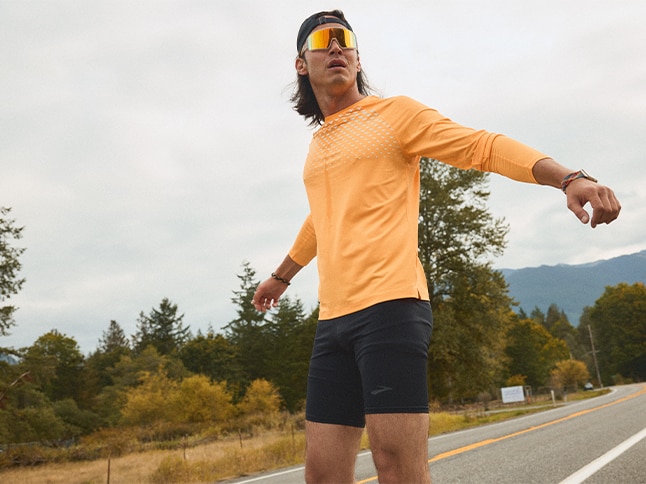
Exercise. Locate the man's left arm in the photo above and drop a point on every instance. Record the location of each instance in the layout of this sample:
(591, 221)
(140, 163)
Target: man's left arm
(579, 191)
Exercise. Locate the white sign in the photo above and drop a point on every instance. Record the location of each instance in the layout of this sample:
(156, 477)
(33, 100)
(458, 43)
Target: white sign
(512, 394)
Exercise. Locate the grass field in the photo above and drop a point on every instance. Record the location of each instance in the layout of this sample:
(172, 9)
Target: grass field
(227, 458)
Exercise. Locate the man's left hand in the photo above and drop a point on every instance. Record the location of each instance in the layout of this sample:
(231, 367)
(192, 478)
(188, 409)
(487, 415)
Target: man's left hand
(605, 206)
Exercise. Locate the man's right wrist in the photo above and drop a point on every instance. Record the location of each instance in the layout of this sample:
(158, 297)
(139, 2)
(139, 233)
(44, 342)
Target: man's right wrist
(280, 279)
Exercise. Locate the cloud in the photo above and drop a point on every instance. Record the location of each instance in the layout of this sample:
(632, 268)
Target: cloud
(149, 148)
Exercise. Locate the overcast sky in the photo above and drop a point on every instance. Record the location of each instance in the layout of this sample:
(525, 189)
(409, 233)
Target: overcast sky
(149, 148)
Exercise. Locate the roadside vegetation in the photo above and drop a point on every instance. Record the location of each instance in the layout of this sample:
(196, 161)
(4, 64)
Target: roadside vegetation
(277, 442)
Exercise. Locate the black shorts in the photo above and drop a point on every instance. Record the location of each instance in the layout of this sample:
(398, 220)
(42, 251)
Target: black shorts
(370, 361)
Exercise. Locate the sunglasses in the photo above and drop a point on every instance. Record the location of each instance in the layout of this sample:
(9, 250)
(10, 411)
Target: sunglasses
(321, 39)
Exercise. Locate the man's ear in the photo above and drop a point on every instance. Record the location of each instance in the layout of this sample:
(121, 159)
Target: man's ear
(358, 62)
(301, 66)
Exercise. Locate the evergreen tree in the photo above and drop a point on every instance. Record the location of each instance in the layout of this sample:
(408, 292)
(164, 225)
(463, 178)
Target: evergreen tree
(558, 324)
(291, 336)
(113, 339)
(247, 332)
(214, 356)
(162, 328)
(538, 316)
(113, 344)
(247, 314)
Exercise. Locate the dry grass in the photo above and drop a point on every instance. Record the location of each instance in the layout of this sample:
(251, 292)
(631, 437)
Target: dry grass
(212, 461)
(215, 460)
(133, 468)
(204, 463)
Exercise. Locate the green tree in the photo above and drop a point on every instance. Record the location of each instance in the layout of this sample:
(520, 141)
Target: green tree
(32, 424)
(56, 364)
(468, 354)
(538, 316)
(113, 344)
(24, 408)
(114, 340)
(214, 356)
(128, 372)
(533, 352)
(457, 237)
(248, 332)
(10, 283)
(77, 421)
(290, 338)
(163, 328)
(618, 322)
(558, 324)
(456, 231)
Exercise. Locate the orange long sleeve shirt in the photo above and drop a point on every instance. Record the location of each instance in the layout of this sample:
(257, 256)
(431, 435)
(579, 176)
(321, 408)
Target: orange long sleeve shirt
(362, 179)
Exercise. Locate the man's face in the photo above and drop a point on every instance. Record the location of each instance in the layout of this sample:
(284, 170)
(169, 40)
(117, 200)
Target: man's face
(333, 69)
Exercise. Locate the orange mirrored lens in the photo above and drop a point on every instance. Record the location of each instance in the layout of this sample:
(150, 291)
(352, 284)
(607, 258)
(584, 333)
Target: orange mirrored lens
(321, 39)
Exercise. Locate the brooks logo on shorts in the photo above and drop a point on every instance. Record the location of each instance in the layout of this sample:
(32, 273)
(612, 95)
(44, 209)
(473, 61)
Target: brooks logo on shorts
(380, 389)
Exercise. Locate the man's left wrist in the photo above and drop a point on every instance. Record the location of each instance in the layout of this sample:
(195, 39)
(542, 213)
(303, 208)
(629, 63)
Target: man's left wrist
(575, 176)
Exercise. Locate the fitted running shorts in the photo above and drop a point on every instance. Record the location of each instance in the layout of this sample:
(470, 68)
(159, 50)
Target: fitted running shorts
(371, 361)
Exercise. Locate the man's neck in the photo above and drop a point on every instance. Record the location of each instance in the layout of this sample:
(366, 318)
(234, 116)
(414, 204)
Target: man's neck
(331, 104)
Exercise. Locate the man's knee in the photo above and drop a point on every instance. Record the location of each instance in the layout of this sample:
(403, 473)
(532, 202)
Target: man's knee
(331, 452)
(399, 444)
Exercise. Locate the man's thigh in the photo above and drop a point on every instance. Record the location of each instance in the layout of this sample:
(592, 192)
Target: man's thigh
(331, 452)
(407, 431)
(399, 444)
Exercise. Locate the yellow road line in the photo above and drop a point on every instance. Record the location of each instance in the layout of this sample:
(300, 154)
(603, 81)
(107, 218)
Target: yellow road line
(483, 443)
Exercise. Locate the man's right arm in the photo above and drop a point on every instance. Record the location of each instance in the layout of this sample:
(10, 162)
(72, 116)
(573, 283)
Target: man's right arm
(303, 251)
(269, 291)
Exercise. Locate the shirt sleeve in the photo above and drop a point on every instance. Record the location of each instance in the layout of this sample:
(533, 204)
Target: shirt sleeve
(425, 132)
(304, 248)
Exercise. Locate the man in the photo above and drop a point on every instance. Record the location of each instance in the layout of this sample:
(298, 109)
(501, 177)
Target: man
(362, 177)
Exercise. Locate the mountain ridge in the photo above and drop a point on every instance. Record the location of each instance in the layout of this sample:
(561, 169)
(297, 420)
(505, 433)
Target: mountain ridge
(572, 287)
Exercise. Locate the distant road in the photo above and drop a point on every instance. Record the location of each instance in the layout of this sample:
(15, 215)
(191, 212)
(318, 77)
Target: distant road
(601, 440)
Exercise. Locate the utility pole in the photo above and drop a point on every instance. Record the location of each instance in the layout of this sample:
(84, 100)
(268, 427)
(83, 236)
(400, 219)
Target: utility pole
(594, 356)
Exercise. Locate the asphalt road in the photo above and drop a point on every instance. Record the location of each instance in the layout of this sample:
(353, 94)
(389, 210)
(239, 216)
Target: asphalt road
(601, 440)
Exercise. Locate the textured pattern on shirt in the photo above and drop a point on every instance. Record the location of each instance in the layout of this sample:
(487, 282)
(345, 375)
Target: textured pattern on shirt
(362, 181)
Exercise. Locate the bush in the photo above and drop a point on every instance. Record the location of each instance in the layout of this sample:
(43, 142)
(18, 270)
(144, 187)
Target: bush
(77, 421)
(569, 374)
(172, 469)
(25, 455)
(147, 403)
(260, 406)
(36, 425)
(107, 442)
(199, 400)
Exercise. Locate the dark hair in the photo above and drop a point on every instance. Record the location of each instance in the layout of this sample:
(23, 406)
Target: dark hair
(303, 97)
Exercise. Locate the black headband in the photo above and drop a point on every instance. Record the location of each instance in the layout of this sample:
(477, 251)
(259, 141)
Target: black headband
(314, 21)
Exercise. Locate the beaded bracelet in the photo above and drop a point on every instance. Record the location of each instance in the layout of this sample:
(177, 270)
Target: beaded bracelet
(575, 176)
(278, 278)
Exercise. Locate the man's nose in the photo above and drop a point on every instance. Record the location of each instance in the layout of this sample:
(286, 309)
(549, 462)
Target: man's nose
(334, 46)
